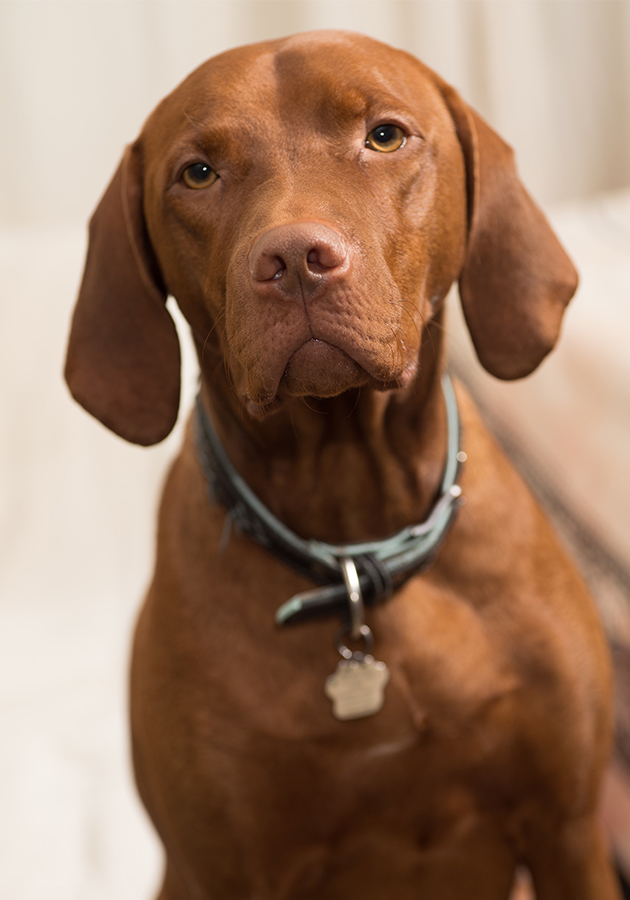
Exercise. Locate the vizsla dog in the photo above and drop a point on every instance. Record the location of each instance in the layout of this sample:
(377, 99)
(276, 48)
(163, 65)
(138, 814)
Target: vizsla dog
(365, 667)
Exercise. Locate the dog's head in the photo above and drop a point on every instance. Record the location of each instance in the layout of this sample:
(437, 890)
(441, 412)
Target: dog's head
(308, 202)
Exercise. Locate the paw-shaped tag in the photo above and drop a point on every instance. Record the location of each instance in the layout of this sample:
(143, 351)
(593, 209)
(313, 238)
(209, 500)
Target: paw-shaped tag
(357, 688)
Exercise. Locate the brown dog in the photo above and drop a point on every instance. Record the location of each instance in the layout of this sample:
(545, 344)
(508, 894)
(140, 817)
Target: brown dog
(309, 202)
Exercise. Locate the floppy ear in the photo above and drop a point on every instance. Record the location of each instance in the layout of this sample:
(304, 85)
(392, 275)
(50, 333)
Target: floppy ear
(123, 358)
(517, 279)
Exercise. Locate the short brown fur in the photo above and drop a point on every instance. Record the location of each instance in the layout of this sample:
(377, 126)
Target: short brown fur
(325, 389)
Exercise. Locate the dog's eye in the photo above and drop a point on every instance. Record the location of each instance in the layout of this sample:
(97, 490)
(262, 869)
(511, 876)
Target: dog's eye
(385, 138)
(199, 175)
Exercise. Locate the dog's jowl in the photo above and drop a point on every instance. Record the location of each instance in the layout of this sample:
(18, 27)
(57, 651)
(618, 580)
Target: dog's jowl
(364, 666)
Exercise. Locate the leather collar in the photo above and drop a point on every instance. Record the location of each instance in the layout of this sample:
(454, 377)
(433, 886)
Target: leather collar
(382, 565)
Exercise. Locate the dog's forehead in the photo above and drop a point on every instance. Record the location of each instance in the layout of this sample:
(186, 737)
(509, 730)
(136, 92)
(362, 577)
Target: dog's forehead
(352, 75)
(338, 73)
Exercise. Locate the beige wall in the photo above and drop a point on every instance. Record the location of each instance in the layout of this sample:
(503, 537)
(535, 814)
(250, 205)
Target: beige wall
(77, 78)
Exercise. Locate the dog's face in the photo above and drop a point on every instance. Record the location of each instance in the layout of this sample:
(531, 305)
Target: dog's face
(308, 202)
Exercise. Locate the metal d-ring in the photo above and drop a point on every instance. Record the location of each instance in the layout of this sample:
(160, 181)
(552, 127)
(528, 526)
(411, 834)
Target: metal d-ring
(355, 597)
(358, 628)
(365, 632)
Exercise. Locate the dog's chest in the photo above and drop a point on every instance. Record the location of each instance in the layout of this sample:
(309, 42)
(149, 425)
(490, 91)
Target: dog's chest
(405, 779)
(448, 679)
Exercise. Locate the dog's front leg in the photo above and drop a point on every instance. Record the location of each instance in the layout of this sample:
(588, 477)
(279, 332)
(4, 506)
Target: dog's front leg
(573, 864)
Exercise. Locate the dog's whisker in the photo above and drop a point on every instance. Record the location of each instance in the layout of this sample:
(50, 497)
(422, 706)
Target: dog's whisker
(356, 402)
(320, 412)
(218, 319)
(404, 309)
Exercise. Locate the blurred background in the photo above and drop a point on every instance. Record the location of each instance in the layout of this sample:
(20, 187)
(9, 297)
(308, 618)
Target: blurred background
(77, 79)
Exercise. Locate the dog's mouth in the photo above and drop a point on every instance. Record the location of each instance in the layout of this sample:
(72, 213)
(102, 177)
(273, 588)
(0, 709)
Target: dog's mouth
(338, 343)
(319, 369)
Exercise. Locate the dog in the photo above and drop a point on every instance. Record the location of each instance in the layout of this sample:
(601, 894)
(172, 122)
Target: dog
(364, 666)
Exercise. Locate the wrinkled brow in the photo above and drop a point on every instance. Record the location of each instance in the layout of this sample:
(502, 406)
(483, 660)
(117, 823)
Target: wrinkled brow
(216, 139)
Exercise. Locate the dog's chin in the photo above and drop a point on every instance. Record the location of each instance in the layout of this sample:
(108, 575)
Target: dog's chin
(319, 369)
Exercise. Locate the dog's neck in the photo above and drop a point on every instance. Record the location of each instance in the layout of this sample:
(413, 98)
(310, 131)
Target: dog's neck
(354, 467)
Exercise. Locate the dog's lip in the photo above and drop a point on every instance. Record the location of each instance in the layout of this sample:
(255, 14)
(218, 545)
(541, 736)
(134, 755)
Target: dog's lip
(339, 371)
(319, 368)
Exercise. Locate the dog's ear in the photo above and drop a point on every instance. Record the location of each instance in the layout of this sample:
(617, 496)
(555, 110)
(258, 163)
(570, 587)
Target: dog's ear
(123, 359)
(517, 279)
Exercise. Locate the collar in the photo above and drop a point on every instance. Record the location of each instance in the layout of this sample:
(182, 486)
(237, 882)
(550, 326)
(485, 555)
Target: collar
(381, 565)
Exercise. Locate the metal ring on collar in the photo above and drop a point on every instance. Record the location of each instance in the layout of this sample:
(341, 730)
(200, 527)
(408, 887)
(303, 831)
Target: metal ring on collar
(365, 632)
(355, 596)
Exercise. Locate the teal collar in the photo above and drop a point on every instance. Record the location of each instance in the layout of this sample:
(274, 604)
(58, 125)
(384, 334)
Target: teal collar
(381, 565)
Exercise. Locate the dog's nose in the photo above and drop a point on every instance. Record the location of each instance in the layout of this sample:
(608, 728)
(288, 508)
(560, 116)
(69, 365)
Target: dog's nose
(297, 257)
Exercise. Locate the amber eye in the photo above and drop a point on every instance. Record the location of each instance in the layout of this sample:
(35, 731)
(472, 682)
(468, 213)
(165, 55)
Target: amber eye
(199, 175)
(385, 138)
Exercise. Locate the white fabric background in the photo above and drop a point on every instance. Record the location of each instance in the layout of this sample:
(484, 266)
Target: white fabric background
(77, 504)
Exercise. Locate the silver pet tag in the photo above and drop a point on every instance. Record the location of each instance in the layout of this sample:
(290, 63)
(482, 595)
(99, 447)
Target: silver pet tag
(357, 688)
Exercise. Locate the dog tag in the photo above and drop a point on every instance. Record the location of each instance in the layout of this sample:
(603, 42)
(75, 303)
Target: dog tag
(357, 688)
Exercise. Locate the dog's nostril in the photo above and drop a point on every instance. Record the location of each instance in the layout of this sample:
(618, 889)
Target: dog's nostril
(267, 267)
(281, 269)
(323, 257)
(303, 252)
